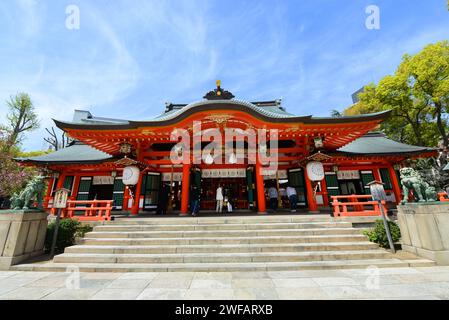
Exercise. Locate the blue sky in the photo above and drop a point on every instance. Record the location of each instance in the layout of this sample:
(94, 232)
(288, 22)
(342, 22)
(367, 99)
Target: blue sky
(129, 57)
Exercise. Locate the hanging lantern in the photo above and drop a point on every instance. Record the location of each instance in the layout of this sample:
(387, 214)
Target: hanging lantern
(233, 158)
(315, 171)
(208, 159)
(130, 175)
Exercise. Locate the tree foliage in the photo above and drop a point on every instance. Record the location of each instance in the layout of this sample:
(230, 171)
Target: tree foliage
(418, 95)
(13, 177)
(21, 118)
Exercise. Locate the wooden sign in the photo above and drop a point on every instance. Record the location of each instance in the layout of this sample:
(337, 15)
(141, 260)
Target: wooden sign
(377, 191)
(60, 199)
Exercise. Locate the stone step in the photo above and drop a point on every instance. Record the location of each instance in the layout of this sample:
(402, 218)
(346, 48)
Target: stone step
(226, 267)
(235, 226)
(224, 241)
(220, 233)
(161, 249)
(221, 257)
(226, 220)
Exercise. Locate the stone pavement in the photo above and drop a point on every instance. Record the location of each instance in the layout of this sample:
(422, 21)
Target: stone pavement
(383, 283)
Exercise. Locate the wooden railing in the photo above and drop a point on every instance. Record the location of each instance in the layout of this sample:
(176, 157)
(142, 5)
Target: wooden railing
(443, 197)
(93, 210)
(356, 205)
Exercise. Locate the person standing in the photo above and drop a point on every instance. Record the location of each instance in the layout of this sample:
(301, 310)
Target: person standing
(195, 200)
(273, 195)
(293, 198)
(219, 198)
(163, 199)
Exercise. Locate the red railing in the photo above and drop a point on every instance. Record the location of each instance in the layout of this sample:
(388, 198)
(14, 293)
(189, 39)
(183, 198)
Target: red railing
(356, 205)
(94, 210)
(443, 197)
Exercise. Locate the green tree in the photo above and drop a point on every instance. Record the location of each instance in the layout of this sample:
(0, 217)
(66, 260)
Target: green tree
(21, 118)
(418, 95)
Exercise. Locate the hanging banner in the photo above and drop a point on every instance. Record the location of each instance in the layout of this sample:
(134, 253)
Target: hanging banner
(100, 180)
(271, 174)
(348, 175)
(223, 173)
(166, 176)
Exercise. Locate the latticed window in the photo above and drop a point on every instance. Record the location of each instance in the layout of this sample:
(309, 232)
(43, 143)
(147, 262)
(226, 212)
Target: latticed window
(118, 193)
(296, 180)
(367, 177)
(385, 176)
(84, 188)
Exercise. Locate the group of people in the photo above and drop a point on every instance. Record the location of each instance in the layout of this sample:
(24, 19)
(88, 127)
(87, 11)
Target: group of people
(223, 197)
(273, 196)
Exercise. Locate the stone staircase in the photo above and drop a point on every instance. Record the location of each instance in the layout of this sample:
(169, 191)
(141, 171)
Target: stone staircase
(255, 243)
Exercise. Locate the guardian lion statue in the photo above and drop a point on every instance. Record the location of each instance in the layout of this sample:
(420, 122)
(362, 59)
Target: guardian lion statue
(33, 190)
(411, 180)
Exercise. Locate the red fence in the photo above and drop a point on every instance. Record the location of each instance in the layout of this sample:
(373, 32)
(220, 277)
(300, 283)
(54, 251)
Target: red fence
(356, 205)
(93, 210)
(442, 196)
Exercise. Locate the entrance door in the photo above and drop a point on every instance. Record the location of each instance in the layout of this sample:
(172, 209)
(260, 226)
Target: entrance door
(101, 192)
(233, 188)
(150, 190)
(296, 180)
(348, 187)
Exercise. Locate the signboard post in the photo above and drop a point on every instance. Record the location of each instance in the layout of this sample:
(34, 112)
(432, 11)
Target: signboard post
(379, 195)
(60, 202)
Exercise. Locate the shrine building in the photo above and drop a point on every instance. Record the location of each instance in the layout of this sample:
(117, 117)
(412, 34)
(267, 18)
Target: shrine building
(349, 152)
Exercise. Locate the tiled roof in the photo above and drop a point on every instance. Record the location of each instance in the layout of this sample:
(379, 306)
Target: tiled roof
(76, 153)
(376, 143)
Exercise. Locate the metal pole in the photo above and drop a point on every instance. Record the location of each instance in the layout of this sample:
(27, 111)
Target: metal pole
(55, 234)
(387, 228)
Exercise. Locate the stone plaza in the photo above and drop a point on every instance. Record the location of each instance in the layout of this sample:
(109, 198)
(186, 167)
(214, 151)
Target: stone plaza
(421, 283)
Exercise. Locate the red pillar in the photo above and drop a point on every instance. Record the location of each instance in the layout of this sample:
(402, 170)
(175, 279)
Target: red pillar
(125, 198)
(76, 185)
(395, 183)
(48, 194)
(313, 208)
(261, 205)
(185, 188)
(59, 185)
(324, 192)
(377, 174)
(135, 207)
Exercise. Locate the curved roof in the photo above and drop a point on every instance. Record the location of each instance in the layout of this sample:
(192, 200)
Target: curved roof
(76, 153)
(270, 114)
(376, 143)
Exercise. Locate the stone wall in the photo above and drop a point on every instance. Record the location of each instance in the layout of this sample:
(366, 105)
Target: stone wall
(22, 236)
(425, 230)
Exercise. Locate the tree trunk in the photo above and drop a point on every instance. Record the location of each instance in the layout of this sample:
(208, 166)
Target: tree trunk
(440, 125)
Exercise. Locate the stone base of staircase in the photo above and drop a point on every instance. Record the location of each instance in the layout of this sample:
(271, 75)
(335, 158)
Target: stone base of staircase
(263, 243)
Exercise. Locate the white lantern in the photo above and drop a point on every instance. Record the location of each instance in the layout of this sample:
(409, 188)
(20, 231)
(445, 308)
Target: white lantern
(315, 171)
(131, 175)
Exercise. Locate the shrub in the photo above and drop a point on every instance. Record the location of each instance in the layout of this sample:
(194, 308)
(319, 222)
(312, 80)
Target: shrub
(67, 232)
(82, 230)
(379, 235)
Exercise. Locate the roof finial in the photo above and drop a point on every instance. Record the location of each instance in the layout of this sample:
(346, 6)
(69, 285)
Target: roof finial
(218, 83)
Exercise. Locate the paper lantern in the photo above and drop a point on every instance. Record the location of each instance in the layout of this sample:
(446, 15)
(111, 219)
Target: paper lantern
(315, 171)
(131, 175)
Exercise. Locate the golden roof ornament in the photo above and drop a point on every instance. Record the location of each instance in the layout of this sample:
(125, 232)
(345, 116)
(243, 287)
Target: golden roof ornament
(218, 93)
